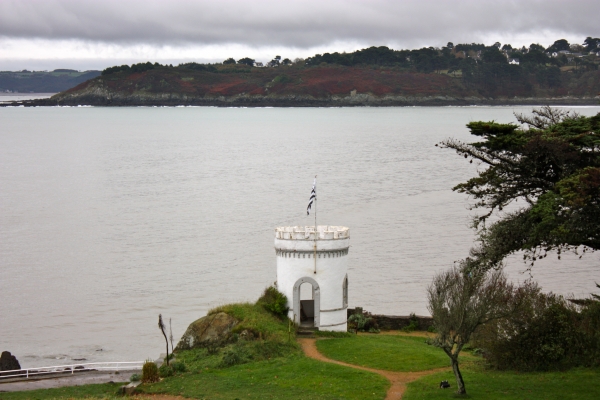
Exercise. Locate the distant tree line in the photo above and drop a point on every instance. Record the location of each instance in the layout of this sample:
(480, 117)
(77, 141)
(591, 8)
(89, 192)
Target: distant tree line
(494, 70)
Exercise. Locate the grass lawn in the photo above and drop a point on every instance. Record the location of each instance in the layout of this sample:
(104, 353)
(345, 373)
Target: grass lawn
(389, 352)
(294, 377)
(102, 391)
(580, 384)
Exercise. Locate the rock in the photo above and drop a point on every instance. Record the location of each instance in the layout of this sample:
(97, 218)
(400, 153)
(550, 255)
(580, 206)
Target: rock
(130, 389)
(210, 330)
(8, 362)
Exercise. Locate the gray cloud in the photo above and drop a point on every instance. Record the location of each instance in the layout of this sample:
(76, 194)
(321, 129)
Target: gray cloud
(297, 24)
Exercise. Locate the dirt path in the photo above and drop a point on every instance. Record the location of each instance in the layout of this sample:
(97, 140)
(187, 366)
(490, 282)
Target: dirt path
(397, 379)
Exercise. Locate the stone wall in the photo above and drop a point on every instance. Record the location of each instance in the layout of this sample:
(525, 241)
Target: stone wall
(394, 322)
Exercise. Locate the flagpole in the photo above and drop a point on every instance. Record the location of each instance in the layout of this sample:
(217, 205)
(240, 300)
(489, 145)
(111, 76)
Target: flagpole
(316, 232)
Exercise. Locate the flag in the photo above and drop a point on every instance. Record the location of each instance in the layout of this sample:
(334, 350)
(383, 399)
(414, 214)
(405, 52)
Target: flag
(313, 196)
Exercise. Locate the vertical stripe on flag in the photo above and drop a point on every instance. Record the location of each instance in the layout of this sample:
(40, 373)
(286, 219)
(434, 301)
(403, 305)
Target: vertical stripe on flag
(313, 196)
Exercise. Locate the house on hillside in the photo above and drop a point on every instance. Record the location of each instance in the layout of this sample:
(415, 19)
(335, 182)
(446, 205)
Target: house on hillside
(258, 64)
(513, 61)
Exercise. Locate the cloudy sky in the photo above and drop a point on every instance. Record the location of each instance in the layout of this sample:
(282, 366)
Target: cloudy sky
(94, 34)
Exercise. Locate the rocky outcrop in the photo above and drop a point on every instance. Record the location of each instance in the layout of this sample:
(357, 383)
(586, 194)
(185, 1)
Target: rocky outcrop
(214, 329)
(8, 362)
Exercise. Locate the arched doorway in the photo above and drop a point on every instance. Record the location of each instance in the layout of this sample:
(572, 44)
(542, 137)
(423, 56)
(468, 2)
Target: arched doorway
(307, 312)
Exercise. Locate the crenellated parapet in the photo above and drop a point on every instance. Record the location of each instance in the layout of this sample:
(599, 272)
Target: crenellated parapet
(323, 232)
(305, 239)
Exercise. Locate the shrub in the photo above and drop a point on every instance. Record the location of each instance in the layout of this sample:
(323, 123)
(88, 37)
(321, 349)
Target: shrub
(165, 371)
(149, 372)
(274, 301)
(363, 323)
(235, 355)
(547, 333)
(282, 79)
(413, 324)
(178, 367)
(135, 378)
(169, 370)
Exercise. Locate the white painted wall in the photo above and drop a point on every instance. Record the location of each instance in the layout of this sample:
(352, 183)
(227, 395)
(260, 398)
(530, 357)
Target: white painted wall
(295, 260)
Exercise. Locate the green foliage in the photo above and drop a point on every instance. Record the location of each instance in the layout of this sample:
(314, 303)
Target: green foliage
(198, 67)
(332, 334)
(559, 45)
(413, 325)
(116, 68)
(229, 61)
(141, 67)
(255, 319)
(361, 322)
(175, 367)
(547, 333)
(165, 371)
(246, 61)
(135, 378)
(149, 372)
(553, 167)
(273, 300)
(282, 79)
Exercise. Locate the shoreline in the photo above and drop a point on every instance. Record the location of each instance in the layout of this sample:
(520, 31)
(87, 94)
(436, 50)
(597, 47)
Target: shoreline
(172, 100)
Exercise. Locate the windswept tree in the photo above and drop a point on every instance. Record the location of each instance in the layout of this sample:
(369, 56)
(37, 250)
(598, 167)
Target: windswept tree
(460, 302)
(550, 169)
(162, 328)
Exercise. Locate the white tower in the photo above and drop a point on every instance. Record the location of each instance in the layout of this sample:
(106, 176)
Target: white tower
(320, 260)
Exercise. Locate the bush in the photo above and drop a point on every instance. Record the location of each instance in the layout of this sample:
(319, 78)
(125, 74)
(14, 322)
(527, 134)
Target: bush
(363, 323)
(165, 371)
(282, 79)
(547, 333)
(413, 325)
(149, 372)
(169, 370)
(274, 301)
(135, 378)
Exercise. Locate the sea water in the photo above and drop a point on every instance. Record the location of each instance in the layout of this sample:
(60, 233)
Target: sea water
(110, 216)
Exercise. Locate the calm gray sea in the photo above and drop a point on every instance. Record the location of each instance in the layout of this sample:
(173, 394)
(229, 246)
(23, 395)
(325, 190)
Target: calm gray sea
(110, 216)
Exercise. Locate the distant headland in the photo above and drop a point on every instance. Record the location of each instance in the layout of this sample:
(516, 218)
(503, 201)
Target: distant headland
(465, 74)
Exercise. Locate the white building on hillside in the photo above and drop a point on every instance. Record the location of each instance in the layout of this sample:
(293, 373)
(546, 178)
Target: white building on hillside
(312, 271)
